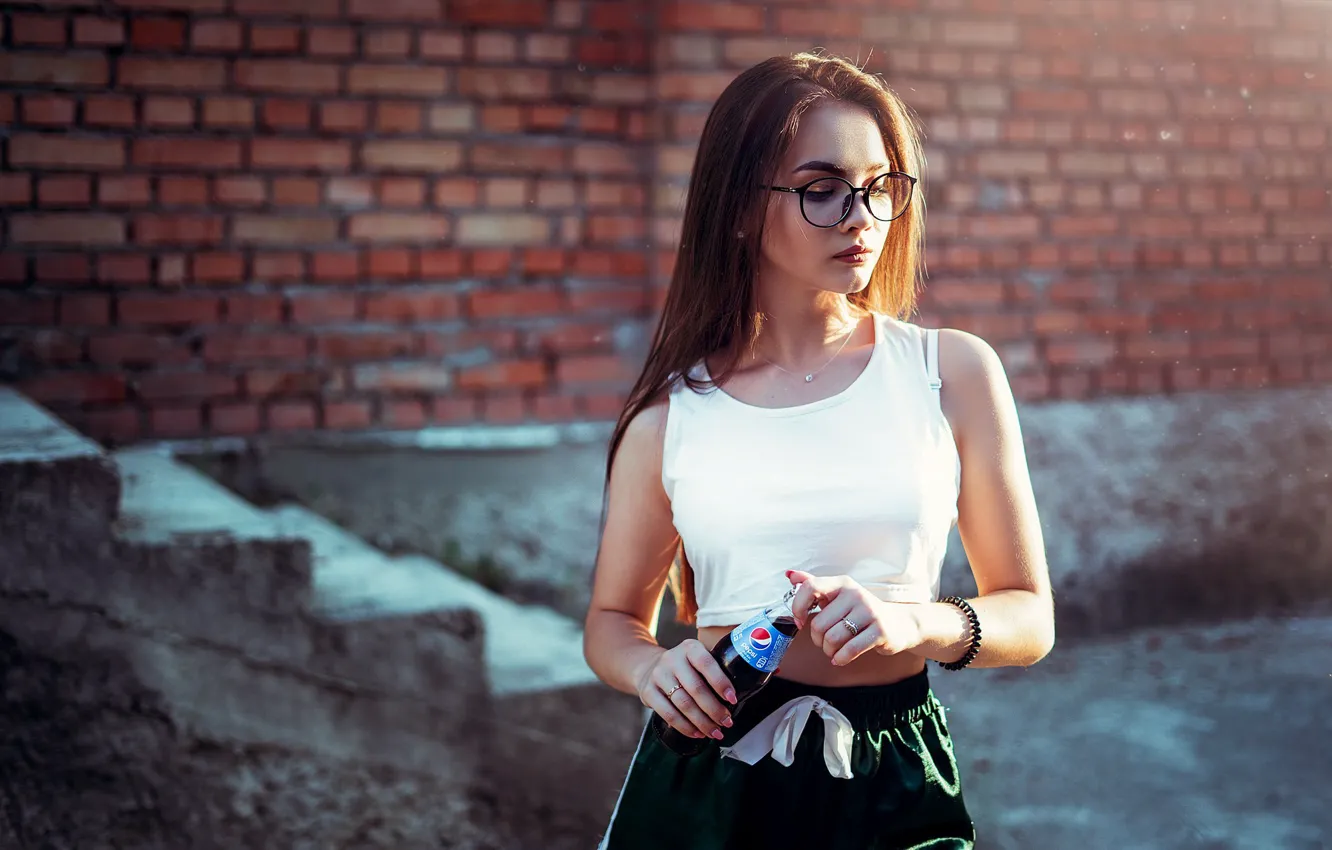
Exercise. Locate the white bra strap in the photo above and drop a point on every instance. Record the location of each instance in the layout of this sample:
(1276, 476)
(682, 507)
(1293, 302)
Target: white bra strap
(932, 357)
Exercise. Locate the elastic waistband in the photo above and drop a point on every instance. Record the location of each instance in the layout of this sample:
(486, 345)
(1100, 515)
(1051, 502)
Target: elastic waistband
(866, 706)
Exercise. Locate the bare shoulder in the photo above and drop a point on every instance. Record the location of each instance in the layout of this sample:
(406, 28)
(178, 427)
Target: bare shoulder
(644, 435)
(976, 389)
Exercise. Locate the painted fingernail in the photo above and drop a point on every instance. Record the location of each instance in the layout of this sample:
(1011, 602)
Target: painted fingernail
(718, 735)
(728, 722)
(730, 696)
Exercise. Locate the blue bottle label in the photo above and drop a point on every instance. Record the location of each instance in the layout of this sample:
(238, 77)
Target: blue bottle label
(759, 643)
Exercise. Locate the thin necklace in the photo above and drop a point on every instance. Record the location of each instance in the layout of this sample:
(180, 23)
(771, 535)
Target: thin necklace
(810, 375)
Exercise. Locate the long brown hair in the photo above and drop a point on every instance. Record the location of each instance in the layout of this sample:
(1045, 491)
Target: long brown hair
(709, 305)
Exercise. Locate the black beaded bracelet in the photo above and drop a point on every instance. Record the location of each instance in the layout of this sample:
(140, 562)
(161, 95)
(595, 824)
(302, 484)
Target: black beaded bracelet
(975, 633)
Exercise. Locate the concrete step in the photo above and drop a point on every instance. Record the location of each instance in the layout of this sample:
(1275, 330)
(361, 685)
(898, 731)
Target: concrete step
(528, 648)
(52, 479)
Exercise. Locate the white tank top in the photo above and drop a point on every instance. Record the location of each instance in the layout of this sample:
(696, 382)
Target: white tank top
(863, 483)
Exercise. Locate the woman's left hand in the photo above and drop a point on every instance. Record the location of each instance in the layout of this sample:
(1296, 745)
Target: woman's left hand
(884, 627)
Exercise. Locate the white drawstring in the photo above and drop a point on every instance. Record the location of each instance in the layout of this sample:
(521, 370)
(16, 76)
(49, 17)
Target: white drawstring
(779, 731)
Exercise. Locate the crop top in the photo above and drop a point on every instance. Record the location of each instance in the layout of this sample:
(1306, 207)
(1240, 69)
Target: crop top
(863, 483)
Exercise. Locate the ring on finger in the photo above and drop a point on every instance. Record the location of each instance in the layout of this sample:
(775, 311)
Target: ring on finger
(855, 630)
(677, 687)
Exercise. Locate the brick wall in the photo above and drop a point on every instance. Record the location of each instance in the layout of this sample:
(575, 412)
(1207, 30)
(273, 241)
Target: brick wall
(232, 216)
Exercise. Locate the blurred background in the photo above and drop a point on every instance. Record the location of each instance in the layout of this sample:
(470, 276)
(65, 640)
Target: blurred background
(314, 316)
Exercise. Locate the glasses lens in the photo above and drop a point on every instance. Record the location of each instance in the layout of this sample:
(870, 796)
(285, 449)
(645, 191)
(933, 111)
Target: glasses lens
(826, 201)
(889, 196)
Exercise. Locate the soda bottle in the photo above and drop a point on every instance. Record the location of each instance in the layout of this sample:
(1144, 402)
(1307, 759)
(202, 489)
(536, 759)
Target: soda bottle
(749, 655)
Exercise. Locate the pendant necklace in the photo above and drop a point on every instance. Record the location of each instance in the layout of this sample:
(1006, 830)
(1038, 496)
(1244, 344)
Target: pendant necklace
(810, 375)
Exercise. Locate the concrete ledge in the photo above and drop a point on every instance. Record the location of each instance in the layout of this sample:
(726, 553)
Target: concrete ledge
(51, 477)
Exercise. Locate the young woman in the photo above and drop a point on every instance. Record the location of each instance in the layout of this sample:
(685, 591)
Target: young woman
(791, 428)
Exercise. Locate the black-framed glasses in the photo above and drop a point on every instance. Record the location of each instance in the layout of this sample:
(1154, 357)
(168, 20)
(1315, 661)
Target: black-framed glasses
(826, 201)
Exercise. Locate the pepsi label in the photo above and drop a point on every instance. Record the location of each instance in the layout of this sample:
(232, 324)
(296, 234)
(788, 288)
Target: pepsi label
(759, 643)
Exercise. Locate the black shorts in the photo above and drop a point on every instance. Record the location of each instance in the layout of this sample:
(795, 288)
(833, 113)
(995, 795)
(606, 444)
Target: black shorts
(904, 791)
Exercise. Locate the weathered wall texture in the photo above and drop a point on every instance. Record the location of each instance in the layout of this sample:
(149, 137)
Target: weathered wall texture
(224, 218)
(180, 695)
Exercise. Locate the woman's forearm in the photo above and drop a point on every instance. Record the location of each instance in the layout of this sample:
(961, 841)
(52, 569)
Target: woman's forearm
(1017, 629)
(619, 649)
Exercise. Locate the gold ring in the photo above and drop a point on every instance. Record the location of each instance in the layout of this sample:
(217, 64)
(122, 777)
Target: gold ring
(673, 690)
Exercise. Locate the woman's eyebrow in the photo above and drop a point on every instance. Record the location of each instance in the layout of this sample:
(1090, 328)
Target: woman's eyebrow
(833, 168)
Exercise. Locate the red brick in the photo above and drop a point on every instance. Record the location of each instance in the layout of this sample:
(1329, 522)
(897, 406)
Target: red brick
(274, 39)
(508, 408)
(239, 191)
(173, 386)
(250, 348)
(291, 416)
(339, 415)
(391, 263)
(168, 112)
(58, 151)
(398, 227)
(278, 267)
(51, 69)
(484, 304)
(331, 41)
(336, 265)
(216, 36)
(66, 229)
(252, 308)
(152, 34)
(712, 17)
(323, 155)
(365, 345)
(502, 229)
(401, 377)
(428, 157)
(447, 45)
(343, 116)
(26, 309)
(72, 191)
(321, 308)
(592, 369)
(446, 264)
(235, 418)
(288, 8)
(74, 388)
(48, 110)
(124, 269)
(296, 192)
(98, 32)
(388, 44)
(495, 47)
(265, 383)
(503, 375)
(174, 421)
(618, 298)
(257, 229)
(177, 229)
(287, 76)
(397, 10)
(287, 114)
(415, 81)
(186, 153)
(493, 262)
(505, 84)
(228, 112)
(402, 192)
(515, 13)
(407, 306)
(175, 74)
(15, 189)
(398, 117)
(403, 413)
(166, 309)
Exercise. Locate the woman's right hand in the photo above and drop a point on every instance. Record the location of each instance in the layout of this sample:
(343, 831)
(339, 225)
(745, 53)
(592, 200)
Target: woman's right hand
(693, 709)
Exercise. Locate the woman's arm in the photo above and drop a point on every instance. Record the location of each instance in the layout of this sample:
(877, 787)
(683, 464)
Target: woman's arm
(633, 559)
(997, 519)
